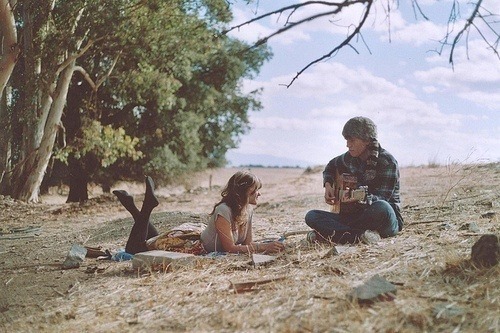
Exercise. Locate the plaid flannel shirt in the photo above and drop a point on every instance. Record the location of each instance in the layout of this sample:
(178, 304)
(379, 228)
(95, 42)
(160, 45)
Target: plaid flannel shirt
(385, 185)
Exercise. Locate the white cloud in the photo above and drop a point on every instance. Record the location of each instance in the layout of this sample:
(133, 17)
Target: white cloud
(281, 123)
(475, 77)
(419, 33)
(339, 24)
(346, 91)
(425, 110)
(357, 92)
(429, 89)
(250, 33)
(414, 29)
(490, 101)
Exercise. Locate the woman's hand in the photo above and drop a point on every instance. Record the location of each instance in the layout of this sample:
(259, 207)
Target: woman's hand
(271, 247)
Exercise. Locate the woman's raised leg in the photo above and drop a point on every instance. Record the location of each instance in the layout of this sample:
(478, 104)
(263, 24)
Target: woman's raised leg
(142, 229)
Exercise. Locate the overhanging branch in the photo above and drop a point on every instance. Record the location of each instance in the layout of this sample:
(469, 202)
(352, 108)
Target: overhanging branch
(345, 42)
(465, 28)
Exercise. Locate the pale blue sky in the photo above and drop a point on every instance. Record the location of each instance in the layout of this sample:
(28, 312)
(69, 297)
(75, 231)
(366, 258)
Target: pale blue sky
(425, 111)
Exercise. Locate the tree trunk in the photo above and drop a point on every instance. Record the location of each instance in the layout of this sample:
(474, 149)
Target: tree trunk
(9, 51)
(5, 136)
(10, 48)
(78, 181)
(30, 172)
(29, 111)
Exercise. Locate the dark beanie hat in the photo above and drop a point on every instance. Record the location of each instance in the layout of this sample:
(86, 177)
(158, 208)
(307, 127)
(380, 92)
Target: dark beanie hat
(361, 128)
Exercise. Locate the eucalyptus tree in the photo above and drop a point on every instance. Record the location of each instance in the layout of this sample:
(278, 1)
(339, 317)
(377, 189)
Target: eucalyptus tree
(9, 51)
(176, 88)
(9, 46)
(54, 34)
(139, 61)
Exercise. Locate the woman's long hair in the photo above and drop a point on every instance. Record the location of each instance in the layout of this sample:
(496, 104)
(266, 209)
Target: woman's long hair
(235, 195)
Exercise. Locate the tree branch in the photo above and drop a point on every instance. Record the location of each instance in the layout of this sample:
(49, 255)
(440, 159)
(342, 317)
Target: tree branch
(345, 42)
(73, 57)
(451, 39)
(339, 6)
(104, 77)
(416, 9)
(86, 76)
(97, 84)
(293, 25)
(293, 7)
(465, 28)
(492, 46)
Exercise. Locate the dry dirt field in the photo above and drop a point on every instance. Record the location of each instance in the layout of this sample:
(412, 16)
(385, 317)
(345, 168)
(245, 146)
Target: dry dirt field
(446, 209)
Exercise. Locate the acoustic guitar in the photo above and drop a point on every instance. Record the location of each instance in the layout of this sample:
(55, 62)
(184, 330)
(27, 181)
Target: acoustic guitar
(348, 193)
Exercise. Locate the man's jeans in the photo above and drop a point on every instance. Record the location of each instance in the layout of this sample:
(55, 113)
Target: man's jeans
(379, 216)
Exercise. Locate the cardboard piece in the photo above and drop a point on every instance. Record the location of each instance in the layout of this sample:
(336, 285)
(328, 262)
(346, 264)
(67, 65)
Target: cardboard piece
(165, 260)
(259, 259)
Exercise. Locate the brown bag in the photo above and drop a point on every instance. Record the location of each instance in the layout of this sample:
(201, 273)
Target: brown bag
(184, 238)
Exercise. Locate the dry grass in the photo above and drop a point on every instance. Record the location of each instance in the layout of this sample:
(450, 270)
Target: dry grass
(438, 290)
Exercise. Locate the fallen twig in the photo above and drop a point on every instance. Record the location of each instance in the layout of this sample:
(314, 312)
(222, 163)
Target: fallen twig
(294, 233)
(424, 222)
(17, 236)
(240, 287)
(476, 234)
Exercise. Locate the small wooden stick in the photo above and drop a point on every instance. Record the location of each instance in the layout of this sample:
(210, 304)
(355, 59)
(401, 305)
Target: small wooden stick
(240, 287)
(293, 233)
(424, 222)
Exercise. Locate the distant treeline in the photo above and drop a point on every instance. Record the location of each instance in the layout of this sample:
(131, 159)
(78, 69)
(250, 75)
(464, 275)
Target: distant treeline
(270, 166)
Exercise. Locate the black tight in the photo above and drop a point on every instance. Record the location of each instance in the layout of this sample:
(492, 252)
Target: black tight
(142, 229)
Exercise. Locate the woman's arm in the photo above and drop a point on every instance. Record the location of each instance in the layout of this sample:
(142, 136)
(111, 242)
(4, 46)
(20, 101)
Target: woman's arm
(267, 247)
(249, 238)
(226, 236)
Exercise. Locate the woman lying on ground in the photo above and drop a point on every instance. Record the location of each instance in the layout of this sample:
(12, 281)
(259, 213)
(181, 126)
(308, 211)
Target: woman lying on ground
(229, 227)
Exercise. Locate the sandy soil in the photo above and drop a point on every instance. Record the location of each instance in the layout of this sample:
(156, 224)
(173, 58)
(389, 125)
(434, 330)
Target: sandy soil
(438, 289)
